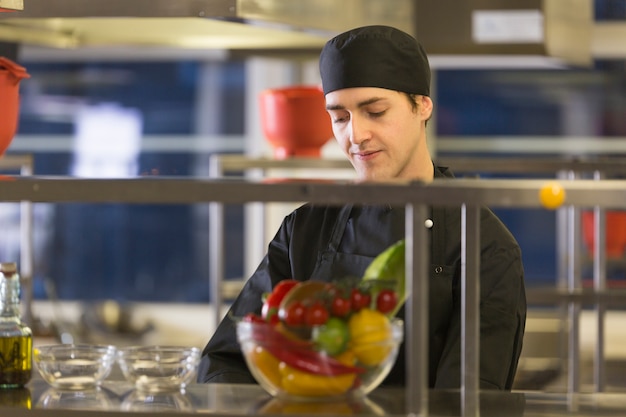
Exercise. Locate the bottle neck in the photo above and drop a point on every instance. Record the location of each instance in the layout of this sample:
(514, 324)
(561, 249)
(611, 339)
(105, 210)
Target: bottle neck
(9, 297)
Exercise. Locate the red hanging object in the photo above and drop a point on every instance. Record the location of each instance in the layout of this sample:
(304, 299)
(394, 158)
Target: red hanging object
(10, 76)
(295, 121)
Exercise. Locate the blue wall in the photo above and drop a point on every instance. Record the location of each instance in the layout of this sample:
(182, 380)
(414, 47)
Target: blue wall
(135, 252)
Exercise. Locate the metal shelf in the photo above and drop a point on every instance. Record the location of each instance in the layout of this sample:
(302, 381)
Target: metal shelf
(416, 197)
(572, 296)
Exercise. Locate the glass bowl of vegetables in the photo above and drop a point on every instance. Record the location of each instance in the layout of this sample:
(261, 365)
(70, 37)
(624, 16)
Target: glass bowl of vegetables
(319, 348)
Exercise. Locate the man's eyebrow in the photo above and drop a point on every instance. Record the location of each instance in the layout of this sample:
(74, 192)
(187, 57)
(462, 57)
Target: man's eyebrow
(360, 104)
(335, 107)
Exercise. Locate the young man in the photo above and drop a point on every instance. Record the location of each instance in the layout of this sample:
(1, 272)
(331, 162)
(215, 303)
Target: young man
(376, 80)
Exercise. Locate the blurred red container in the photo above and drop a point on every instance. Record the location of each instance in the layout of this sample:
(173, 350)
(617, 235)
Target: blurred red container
(295, 121)
(10, 76)
(615, 232)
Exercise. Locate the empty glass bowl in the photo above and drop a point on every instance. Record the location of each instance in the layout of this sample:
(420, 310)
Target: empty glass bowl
(159, 368)
(74, 367)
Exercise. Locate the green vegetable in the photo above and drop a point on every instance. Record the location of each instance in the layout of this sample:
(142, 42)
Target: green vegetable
(332, 337)
(387, 270)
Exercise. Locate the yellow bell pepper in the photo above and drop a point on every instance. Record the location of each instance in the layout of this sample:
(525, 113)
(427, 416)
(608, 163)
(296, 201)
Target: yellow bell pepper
(266, 365)
(306, 384)
(370, 334)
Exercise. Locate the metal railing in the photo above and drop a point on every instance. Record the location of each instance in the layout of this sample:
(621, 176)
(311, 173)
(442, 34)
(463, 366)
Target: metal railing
(569, 290)
(415, 197)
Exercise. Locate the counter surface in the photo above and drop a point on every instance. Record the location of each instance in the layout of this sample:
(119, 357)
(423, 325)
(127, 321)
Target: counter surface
(115, 398)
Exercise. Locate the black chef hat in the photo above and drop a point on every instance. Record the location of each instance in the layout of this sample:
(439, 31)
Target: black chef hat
(375, 56)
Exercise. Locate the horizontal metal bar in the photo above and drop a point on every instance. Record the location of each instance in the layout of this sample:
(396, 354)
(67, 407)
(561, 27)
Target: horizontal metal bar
(241, 163)
(125, 8)
(527, 166)
(491, 192)
(532, 145)
(16, 162)
(553, 296)
(605, 40)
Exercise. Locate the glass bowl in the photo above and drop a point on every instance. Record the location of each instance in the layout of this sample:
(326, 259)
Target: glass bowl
(291, 367)
(74, 367)
(159, 368)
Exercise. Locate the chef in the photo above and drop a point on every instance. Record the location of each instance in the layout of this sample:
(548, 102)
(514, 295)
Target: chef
(376, 81)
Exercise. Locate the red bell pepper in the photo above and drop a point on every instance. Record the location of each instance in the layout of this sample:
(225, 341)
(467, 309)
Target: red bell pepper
(298, 353)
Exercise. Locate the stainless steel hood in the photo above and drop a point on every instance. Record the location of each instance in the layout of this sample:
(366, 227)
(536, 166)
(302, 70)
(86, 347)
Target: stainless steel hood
(563, 29)
(193, 25)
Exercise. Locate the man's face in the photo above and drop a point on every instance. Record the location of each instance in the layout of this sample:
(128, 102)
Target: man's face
(379, 131)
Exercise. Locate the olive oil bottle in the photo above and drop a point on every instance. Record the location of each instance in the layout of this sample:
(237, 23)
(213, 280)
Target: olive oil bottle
(16, 338)
(16, 398)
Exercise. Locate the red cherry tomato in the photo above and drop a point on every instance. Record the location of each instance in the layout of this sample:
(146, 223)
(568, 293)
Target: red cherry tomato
(386, 301)
(340, 306)
(293, 315)
(316, 314)
(253, 318)
(360, 299)
(272, 301)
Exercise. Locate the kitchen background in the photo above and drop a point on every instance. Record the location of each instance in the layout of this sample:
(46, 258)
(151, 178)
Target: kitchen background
(125, 117)
(137, 119)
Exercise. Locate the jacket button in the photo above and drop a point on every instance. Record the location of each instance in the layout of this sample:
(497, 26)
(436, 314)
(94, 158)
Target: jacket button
(438, 270)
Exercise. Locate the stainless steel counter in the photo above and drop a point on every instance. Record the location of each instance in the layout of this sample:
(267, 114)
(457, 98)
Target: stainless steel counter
(116, 397)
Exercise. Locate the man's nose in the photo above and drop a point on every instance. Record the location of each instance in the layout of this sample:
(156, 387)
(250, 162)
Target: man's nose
(359, 130)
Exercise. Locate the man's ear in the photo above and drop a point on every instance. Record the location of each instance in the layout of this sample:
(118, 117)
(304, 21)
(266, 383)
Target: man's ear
(426, 107)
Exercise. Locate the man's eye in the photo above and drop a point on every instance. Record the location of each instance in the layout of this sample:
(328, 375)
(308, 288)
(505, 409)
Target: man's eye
(377, 114)
(340, 119)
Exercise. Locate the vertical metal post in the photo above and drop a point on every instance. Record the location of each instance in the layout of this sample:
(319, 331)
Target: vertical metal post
(573, 307)
(27, 249)
(470, 313)
(216, 245)
(417, 261)
(562, 237)
(599, 285)
(562, 265)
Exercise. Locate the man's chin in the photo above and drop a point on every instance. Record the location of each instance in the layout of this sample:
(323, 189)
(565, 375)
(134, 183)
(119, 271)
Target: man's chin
(373, 177)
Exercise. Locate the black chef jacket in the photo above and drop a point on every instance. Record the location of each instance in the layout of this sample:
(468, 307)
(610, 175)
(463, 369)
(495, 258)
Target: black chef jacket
(330, 242)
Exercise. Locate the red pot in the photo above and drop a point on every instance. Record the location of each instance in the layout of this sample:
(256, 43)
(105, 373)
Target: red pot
(614, 233)
(295, 121)
(10, 76)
